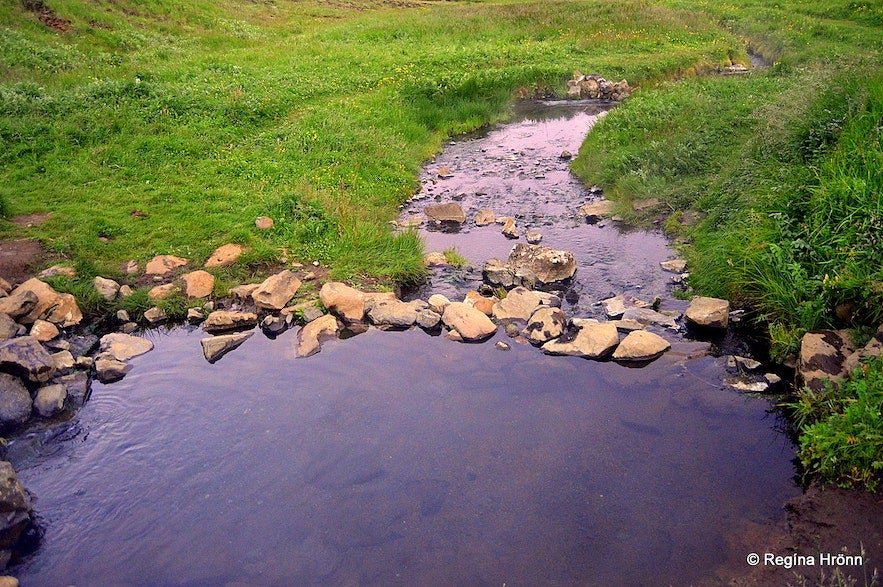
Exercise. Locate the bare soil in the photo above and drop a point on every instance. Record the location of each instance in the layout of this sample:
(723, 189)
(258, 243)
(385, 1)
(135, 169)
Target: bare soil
(19, 258)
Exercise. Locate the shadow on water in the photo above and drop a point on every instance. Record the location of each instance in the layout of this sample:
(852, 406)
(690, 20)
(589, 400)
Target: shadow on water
(397, 458)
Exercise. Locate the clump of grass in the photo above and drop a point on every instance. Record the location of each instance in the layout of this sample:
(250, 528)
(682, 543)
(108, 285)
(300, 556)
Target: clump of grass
(454, 258)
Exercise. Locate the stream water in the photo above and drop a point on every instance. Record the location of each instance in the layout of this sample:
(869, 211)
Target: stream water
(398, 458)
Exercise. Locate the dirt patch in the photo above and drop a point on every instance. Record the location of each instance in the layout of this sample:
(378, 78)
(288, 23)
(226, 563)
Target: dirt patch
(48, 16)
(18, 258)
(28, 220)
(820, 522)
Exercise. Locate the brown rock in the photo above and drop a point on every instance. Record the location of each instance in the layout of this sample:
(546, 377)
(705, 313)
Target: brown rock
(548, 265)
(164, 264)
(434, 258)
(43, 330)
(161, 292)
(60, 309)
(640, 345)
(25, 356)
(593, 340)
(510, 230)
(545, 324)
(68, 272)
(243, 292)
(484, 304)
(310, 336)
(822, 357)
(221, 320)
(520, 304)
(484, 217)
(18, 305)
(198, 284)
(708, 312)
(215, 347)
(447, 212)
(123, 347)
(344, 301)
(468, 322)
(224, 255)
(106, 288)
(264, 222)
(595, 211)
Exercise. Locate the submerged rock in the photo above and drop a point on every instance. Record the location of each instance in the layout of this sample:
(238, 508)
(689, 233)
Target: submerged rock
(310, 336)
(123, 347)
(215, 347)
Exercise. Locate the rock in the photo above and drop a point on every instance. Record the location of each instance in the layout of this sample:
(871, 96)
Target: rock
(502, 346)
(746, 364)
(106, 288)
(548, 265)
(510, 230)
(480, 302)
(708, 312)
(642, 205)
(311, 313)
(310, 336)
(566, 155)
(77, 386)
(484, 217)
(123, 347)
(50, 400)
(519, 304)
(14, 505)
(596, 211)
(772, 378)
(56, 270)
(60, 309)
(108, 369)
(17, 306)
(128, 327)
(647, 316)
(273, 325)
(469, 323)
(224, 255)
(15, 403)
(343, 301)
(195, 315)
(391, 313)
(25, 356)
(215, 347)
(449, 212)
(498, 274)
(411, 222)
(533, 237)
(62, 361)
(428, 319)
(438, 303)
(544, 325)
(221, 320)
(164, 264)
(750, 386)
(616, 306)
(627, 325)
(264, 222)
(161, 292)
(640, 345)
(8, 581)
(198, 284)
(822, 357)
(445, 173)
(123, 316)
(243, 292)
(130, 267)
(44, 331)
(82, 345)
(593, 340)
(126, 291)
(874, 348)
(155, 315)
(434, 259)
(8, 327)
(276, 291)
(674, 265)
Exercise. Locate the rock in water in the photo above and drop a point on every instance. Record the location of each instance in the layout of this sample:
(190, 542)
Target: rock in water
(448, 212)
(123, 347)
(221, 320)
(640, 345)
(519, 304)
(547, 264)
(14, 504)
(594, 340)
(468, 322)
(215, 347)
(50, 400)
(310, 336)
(708, 312)
(26, 357)
(344, 301)
(545, 324)
(15, 403)
(108, 369)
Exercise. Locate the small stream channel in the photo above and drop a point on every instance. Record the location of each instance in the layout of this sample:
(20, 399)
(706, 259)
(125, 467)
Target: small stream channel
(398, 458)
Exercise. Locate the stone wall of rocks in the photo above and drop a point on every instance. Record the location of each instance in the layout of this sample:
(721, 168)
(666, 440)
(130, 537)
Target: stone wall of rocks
(595, 87)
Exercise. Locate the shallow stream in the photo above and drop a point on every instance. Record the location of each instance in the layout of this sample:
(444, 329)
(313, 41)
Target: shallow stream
(398, 458)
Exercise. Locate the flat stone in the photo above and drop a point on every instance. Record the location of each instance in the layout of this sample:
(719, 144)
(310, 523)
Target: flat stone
(595, 211)
(640, 345)
(224, 255)
(164, 264)
(391, 313)
(161, 292)
(593, 340)
(545, 324)
(447, 212)
(533, 237)
(44, 331)
(627, 325)
(647, 316)
(106, 288)
(276, 291)
(195, 315)
(57, 270)
(469, 323)
(243, 292)
(15, 402)
(484, 217)
(108, 369)
(25, 356)
(49, 400)
(123, 347)
(708, 312)
(310, 336)
(749, 386)
(155, 315)
(215, 347)
(63, 361)
(438, 303)
(343, 301)
(221, 320)
(518, 304)
(198, 284)
(747, 364)
(674, 265)
(616, 306)
(264, 222)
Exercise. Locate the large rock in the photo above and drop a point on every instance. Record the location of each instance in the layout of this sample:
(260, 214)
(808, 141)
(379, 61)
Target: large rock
(545, 324)
(498, 273)
(276, 291)
(708, 312)
(123, 347)
(428, 320)
(822, 357)
(221, 320)
(470, 323)
(640, 345)
(449, 212)
(8, 327)
(44, 331)
(593, 340)
(484, 217)
(15, 403)
(547, 264)
(215, 347)
(392, 313)
(647, 316)
(164, 264)
(60, 309)
(519, 304)
(310, 336)
(198, 284)
(108, 369)
(25, 356)
(18, 305)
(595, 211)
(224, 255)
(15, 507)
(343, 301)
(50, 400)
(106, 288)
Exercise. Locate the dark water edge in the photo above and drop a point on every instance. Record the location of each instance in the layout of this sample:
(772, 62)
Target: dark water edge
(400, 459)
